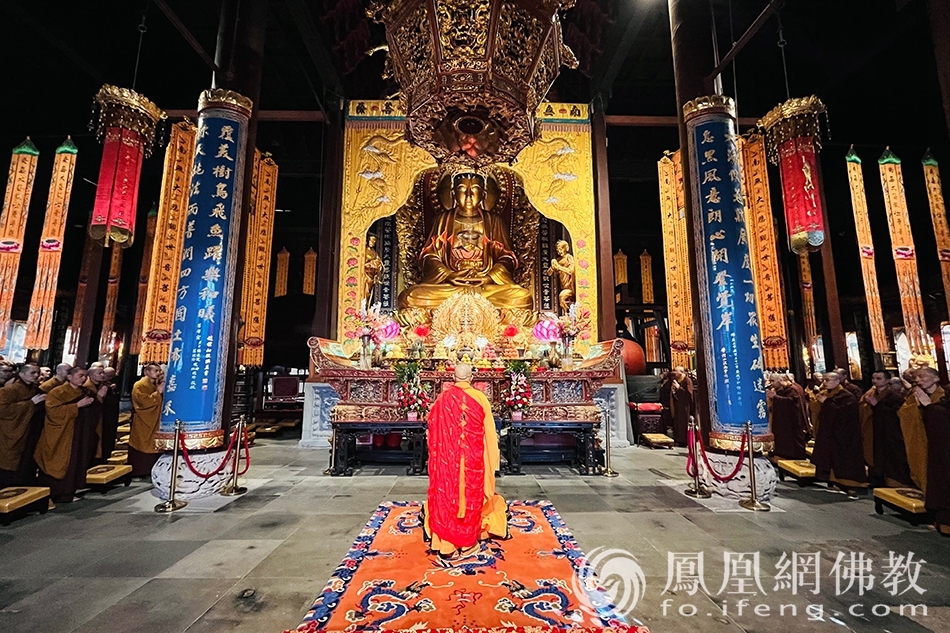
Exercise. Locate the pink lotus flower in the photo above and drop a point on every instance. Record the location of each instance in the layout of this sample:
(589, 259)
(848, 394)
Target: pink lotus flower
(351, 262)
(351, 281)
(581, 243)
(389, 331)
(354, 241)
(583, 264)
(546, 331)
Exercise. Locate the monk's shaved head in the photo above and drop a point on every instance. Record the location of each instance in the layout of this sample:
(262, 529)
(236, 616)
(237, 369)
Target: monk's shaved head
(463, 372)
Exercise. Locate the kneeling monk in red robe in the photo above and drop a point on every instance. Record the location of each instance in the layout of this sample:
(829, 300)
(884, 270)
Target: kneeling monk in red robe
(462, 507)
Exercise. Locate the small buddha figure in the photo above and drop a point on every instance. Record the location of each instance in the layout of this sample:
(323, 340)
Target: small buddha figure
(563, 267)
(467, 249)
(372, 271)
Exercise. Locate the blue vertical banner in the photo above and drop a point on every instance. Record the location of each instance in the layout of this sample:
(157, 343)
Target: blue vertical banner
(198, 357)
(731, 335)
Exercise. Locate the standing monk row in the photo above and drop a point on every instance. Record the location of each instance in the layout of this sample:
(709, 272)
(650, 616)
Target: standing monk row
(146, 419)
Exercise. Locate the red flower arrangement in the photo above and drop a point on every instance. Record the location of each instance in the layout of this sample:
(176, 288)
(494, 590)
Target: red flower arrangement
(422, 332)
(511, 331)
(517, 396)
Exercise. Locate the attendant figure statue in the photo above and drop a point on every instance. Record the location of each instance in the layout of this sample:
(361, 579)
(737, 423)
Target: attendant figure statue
(467, 248)
(462, 507)
(372, 271)
(563, 267)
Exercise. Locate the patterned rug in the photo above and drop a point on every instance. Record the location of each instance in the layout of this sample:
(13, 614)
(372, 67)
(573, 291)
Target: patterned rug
(535, 582)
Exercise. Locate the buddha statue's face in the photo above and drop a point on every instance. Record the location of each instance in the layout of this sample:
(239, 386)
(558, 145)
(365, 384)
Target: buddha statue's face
(469, 193)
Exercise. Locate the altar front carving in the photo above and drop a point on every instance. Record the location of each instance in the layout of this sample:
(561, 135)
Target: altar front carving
(394, 192)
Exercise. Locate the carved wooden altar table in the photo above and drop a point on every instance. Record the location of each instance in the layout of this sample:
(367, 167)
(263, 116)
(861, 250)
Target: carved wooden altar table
(562, 404)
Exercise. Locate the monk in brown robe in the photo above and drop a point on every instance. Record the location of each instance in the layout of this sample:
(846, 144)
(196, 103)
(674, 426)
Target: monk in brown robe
(58, 378)
(58, 453)
(789, 407)
(109, 426)
(926, 382)
(92, 437)
(848, 385)
(7, 373)
(936, 415)
(839, 451)
(17, 404)
(884, 450)
(146, 418)
(676, 394)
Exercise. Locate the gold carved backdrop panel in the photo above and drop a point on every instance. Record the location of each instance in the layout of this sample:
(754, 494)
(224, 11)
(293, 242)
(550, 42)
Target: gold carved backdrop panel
(379, 169)
(558, 176)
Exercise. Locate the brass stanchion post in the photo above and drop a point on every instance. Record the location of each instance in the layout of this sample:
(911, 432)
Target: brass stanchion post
(329, 470)
(232, 489)
(173, 504)
(698, 491)
(752, 503)
(608, 471)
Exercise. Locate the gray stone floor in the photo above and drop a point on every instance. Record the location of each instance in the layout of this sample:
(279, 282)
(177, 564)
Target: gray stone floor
(255, 563)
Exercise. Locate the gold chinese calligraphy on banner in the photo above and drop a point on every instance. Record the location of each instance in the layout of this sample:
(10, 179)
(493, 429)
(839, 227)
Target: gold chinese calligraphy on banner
(135, 341)
(905, 257)
(808, 308)
(620, 268)
(650, 340)
(283, 270)
(766, 270)
(158, 319)
(679, 304)
(938, 212)
(310, 272)
(866, 249)
(39, 323)
(16, 206)
(260, 233)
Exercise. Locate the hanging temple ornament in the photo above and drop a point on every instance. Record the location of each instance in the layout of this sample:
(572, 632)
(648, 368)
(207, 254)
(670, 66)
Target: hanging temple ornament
(793, 137)
(126, 127)
(473, 72)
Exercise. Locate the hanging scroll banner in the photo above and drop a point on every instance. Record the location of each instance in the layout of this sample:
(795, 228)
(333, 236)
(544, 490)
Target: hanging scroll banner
(646, 280)
(39, 322)
(677, 304)
(141, 296)
(794, 138)
(310, 272)
(16, 206)
(257, 264)
(283, 271)
(112, 301)
(158, 319)
(730, 329)
(808, 309)
(765, 261)
(682, 244)
(866, 250)
(905, 256)
(197, 361)
(938, 212)
(126, 127)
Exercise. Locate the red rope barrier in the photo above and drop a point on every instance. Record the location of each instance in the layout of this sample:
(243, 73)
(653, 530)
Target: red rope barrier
(191, 466)
(691, 464)
(247, 452)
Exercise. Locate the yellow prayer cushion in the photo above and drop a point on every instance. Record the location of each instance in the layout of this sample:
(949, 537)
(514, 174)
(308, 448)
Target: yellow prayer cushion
(19, 496)
(99, 475)
(907, 499)
(125, 429)
(288, 424)
(118, 457)
(798, 468)
(657, 439)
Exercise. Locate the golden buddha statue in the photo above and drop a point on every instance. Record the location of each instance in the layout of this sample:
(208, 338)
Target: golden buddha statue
(468, 248)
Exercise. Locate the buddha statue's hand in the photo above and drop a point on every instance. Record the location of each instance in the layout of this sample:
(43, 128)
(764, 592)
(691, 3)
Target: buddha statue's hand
(465, 278)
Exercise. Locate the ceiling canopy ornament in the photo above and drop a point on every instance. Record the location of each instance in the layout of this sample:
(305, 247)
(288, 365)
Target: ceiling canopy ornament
(472, 72)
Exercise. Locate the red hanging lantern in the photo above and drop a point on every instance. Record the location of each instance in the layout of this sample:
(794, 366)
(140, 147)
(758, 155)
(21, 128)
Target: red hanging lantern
(794, 140)
(127, 124)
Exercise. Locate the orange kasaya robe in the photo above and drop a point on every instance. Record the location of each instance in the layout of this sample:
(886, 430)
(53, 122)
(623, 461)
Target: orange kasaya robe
(462, 507)
(54, 450)
(16, 412)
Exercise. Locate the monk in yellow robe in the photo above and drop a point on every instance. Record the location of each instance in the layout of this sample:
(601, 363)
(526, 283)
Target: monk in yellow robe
(18, 401)
(146, 418)
(58, 453)
(462, 507)
(58, 378)
(926, 383)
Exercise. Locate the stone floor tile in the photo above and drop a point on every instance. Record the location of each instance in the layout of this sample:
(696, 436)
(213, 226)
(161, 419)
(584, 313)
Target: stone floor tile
(145, 559)
(229, 558)
(260, 605)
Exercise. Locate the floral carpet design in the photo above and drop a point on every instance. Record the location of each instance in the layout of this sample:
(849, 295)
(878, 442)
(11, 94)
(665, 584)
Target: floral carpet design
(536, 581)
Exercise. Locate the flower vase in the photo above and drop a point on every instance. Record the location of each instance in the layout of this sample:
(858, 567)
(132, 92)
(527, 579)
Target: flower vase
(516, 416)
(412, 416)
(567, 358)
(366, 354)
(554, 359)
